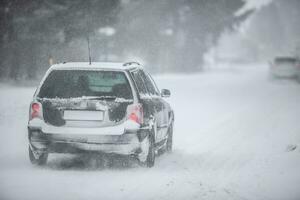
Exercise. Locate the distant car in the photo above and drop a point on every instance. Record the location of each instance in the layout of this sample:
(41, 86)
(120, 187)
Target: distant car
(107, 108)
(284, 67)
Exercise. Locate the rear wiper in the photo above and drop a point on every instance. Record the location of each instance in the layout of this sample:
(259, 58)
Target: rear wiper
(99, 97)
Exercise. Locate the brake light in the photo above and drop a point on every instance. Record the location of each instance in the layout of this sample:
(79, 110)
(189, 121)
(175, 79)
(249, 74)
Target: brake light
(133, 117)
(135, 113)
(36, 110)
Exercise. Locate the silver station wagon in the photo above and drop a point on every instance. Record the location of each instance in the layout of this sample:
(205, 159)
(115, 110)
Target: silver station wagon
(104, 108)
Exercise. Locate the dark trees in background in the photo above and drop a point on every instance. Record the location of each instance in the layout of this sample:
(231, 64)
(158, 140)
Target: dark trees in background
(205, 21)
(32, 31)
(169, 35)
(174, 35)
(274, 30)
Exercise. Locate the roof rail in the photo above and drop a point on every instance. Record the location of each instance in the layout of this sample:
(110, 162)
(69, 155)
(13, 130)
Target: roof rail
(131, 63)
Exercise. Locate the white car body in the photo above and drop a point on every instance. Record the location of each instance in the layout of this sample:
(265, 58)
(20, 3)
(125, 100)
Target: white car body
(284, 67)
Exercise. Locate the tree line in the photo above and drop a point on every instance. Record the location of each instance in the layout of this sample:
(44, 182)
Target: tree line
(169, 35)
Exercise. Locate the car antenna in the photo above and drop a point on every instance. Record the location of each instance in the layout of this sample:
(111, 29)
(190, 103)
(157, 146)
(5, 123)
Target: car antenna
(89, 49)
(88, 35)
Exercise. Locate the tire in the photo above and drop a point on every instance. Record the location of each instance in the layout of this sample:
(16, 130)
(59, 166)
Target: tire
(151, 153)
(169, 145)
(42, 160)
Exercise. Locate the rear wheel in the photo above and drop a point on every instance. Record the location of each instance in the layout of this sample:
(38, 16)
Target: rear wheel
(151, 153)
(40, 159)
(169, 145)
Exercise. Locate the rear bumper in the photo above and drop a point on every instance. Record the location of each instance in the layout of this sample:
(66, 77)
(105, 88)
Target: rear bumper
(129, 143)
(287, 72)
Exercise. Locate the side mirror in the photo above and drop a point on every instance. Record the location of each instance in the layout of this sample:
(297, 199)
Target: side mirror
(165, 93)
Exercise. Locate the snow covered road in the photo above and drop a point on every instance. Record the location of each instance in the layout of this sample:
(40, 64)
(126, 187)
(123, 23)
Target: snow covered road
(237, 136)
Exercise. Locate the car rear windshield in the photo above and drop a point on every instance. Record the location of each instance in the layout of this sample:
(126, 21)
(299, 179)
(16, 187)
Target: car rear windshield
(79, 83)
(285, 60)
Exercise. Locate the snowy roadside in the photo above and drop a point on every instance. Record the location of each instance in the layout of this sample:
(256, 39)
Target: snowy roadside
(237, 136)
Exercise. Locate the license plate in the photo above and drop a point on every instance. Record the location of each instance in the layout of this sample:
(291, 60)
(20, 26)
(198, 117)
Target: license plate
(83, 115)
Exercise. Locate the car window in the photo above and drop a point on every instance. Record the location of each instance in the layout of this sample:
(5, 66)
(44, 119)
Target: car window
(137, 76)
(149, 84)
(154, 84)
(280, 60)
(78, 83)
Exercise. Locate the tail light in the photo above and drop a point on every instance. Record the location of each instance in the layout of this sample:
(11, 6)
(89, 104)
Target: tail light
(36, 110)
(135, 113)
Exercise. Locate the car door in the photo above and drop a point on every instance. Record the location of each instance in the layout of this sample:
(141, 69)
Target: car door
(166, 107)
(159, 104)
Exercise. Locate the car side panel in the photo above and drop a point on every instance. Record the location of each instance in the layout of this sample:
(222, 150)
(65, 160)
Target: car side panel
(160, 106)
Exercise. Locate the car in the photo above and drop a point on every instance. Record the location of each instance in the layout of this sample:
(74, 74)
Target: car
(101, 107)
(284, 67)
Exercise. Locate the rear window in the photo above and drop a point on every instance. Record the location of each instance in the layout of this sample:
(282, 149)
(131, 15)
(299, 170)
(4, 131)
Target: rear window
(78, 83)
(285, 60)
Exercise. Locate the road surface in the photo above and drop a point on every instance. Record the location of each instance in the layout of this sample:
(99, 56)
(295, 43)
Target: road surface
(237, 136)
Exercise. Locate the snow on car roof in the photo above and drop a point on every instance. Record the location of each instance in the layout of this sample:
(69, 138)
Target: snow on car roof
(95, 65)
